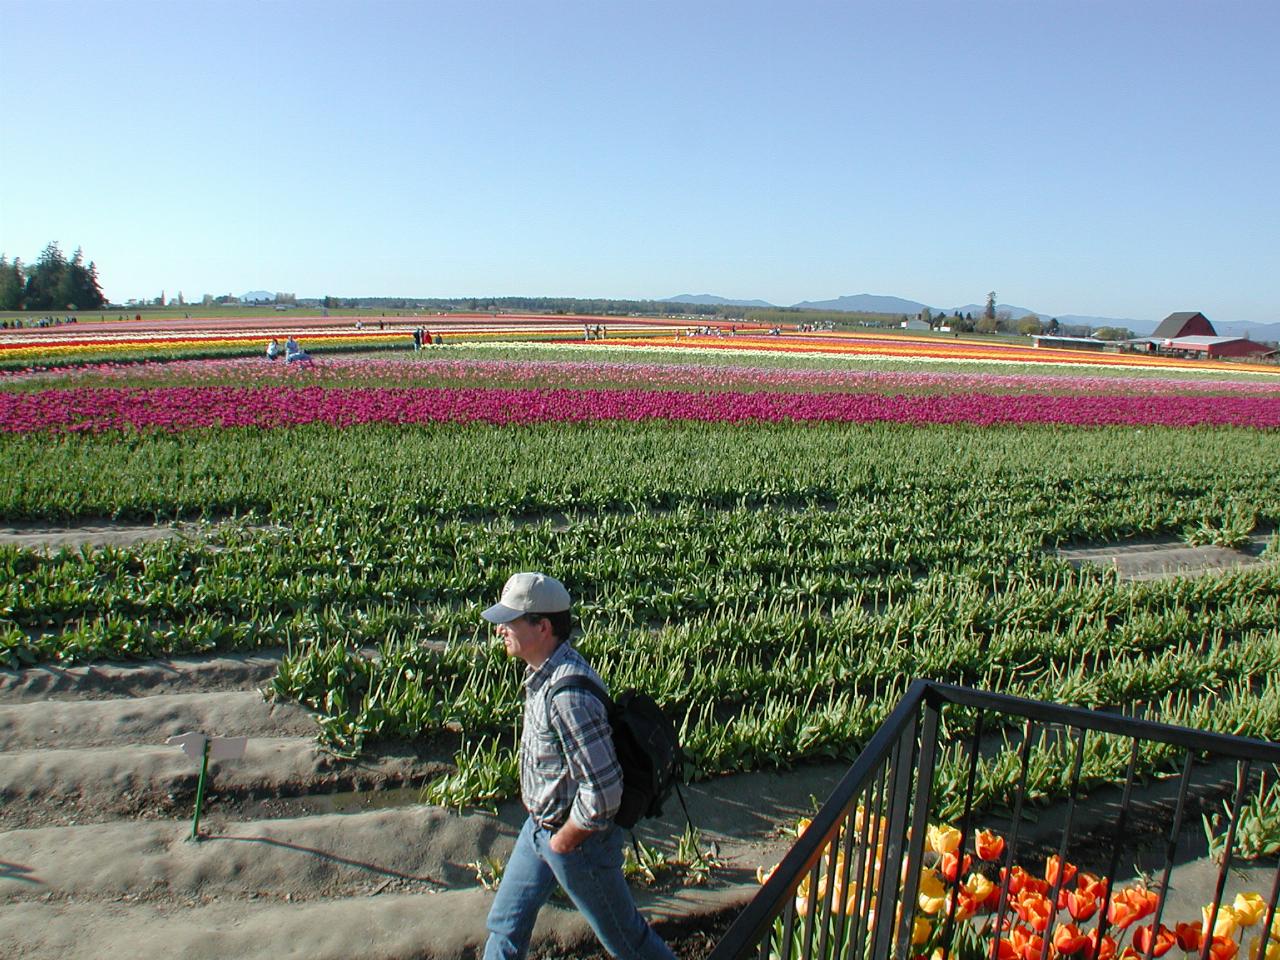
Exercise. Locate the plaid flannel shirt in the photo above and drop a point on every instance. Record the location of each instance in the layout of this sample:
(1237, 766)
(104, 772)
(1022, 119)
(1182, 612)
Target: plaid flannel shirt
(567, 765)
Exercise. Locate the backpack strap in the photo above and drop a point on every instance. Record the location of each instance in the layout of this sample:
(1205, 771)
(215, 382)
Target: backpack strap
(579, 681)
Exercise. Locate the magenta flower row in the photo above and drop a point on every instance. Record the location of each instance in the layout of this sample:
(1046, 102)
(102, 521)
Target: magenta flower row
(186, 408)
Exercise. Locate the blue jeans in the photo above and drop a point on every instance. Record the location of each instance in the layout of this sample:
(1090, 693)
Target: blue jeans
(592, 877)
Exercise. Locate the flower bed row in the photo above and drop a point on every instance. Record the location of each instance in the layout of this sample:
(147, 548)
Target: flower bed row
(939, 348)
(183, 408)
(554, 373)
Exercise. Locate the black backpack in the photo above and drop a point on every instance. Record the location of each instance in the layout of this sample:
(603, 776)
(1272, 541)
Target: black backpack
(646, 744)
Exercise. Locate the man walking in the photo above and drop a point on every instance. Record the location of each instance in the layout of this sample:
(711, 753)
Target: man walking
(570, 784)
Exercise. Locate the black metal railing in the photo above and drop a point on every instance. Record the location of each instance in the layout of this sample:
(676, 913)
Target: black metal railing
(894, 865)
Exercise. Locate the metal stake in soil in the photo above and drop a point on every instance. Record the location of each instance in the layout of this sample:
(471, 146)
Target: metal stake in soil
(204, 770)
(197, 746)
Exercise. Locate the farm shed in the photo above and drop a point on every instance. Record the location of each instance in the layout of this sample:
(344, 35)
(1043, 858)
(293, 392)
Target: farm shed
(1216, 346)
(1069, 343)
(1186, 324)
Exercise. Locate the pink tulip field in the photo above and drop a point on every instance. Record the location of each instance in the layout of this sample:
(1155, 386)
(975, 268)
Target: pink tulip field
(185, 408)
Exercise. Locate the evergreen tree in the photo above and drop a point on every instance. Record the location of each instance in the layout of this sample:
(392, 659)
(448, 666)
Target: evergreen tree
(53, 283)
(11, 283)
(44, 279)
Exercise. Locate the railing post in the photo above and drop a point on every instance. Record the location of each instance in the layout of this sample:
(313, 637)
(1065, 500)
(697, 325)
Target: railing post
(919, 823)
(891, 868)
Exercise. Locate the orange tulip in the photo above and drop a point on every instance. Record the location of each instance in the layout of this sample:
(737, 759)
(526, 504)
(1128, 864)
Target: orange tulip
(964, 905)
(1017, 879)
(1068, 939)
(1034, 909)
(1002, 949)
(1020, 880)
(951, 866)
(1223, 948)
(1026, 944)
(1053, 866)
(1079, 905)
(1105, 951)
(1091, 886)
(1156, 942)
(1130, 905)
(988, 844)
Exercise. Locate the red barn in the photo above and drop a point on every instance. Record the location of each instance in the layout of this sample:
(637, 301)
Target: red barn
(1184, 325)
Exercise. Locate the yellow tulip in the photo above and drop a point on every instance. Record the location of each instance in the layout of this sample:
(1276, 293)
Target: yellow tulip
(932, 893)
(1272, 952)
(1226, 925)
(979, 887)
(922, 930)
(943, 839)
(803, 898)
(1249, 908)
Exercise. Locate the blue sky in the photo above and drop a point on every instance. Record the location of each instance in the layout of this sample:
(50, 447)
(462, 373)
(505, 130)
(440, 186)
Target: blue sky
(1105, 158)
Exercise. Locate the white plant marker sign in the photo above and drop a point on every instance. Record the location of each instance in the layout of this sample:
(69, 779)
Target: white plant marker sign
(197, 746)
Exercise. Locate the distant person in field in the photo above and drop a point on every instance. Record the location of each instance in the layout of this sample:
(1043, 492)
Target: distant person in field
(417, 338)
(273, 349)
(294, 353)
(570, 785)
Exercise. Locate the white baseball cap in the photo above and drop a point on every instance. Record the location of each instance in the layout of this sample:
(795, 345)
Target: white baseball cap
(529, 593)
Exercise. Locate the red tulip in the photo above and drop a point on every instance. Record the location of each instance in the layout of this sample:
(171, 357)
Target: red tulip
(1190, 936)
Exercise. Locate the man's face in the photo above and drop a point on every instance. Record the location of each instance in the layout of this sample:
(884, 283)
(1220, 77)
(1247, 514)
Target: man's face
(530, 639)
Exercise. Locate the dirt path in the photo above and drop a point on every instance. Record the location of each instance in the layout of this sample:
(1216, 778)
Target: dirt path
(1156, 559)
(305, 855)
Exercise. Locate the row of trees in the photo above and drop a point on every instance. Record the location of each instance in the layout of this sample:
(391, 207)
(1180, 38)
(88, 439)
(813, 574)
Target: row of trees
(51, 283)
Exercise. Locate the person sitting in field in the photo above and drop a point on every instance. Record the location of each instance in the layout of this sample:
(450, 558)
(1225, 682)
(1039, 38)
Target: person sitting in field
(273, 349)
(294, 353)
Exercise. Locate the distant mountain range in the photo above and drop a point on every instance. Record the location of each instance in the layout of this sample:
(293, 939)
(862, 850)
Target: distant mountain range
(872, 303)
(706, 299)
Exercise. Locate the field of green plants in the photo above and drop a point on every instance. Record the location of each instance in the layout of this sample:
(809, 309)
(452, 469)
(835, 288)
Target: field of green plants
(776, 586)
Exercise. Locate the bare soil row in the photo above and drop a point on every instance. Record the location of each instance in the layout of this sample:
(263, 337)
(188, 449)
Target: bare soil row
(303, 855)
